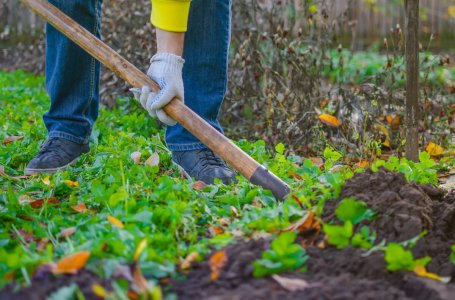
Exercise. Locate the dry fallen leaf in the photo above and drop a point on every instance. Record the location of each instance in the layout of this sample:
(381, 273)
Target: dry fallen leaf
(71, 183)
(46, 180)
(116, 222)
(434, 149)
(393, 120)
(329, 120)
(234, 211)
(139, 279)
(98, 290)
(24, 199)
(40, 202)
(186, 263)
(293, 284)
(80, 208)
(42, 244)
(363, 163)
(153, 160)
(306, 224)
(224, 222)
(67, 232)
(217, 262)
(12, 139)
(215, 230)
(140, 248)
(422, 272)
(199, 185)
(71, 263)
(296, 199)
(295, 175)
(317, 161)
(136, 157)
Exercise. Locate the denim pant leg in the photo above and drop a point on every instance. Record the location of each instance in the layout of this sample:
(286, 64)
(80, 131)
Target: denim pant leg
(205, 71)
(72, 75)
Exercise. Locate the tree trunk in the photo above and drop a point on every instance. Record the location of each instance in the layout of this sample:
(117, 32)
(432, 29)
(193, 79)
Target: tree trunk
(412, 79)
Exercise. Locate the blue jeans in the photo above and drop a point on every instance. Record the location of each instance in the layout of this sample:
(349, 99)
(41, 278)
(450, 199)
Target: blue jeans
(72, 76)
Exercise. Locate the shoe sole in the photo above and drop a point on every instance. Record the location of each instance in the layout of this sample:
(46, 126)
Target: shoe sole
(50, 171)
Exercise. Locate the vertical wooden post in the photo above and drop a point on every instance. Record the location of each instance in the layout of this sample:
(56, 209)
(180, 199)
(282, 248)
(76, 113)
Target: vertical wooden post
(412, 81)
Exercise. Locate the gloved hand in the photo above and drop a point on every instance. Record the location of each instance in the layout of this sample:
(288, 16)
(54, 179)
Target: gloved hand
(166, 70)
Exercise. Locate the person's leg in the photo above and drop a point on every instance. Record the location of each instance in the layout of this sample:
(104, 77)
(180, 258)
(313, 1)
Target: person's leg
(205, 82)
(72, 75)
(205, 71)
(72, 81)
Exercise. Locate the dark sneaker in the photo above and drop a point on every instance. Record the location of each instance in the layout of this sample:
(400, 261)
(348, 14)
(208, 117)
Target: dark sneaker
(203, 165)
(56, 154)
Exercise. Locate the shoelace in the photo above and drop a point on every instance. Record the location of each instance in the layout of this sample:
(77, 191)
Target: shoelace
(209, 158)
(52, 146)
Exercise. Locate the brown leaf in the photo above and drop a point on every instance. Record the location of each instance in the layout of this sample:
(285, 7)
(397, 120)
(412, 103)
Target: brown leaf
(363, 163)
(215, 230)
(42, 244)
(306, 225)
(186, 263)
(234, 211)
(139, 279)
(12, 139)
(72, 263)
(37, 203)
(80, 207)
(67, 232)
(136, 157)
(295, 175)
(293, 284)
(393, 120)
(40, 202)
(217, 261)
(24, 199)
(26, 236)
(153, 160)
(317, 161)
(329, 120)
(296, 199)
(224, 222)
(199, 185)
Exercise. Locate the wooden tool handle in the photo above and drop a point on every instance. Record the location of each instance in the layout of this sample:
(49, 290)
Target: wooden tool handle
(208, 135)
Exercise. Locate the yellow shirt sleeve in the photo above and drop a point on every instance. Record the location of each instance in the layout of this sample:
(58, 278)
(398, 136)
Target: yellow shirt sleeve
(170, 15)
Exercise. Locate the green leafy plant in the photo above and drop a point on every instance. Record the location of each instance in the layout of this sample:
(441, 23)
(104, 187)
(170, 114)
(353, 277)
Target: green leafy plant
(363, 239)
(398, 258)
(452, 254)
(339, 235)
(283, 255)
(423, 172)
(353, 210)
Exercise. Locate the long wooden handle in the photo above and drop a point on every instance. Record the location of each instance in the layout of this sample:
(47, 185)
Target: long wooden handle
(208, 135)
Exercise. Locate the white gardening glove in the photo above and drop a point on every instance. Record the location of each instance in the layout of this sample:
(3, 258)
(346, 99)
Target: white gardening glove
(166, 70)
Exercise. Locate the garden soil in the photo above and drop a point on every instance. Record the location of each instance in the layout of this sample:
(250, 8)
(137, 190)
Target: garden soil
(404, 210)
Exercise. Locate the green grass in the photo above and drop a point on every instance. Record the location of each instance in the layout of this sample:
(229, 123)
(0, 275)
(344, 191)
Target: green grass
(153, 203)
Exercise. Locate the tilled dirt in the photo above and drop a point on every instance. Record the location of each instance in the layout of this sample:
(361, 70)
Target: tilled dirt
(404, 211)
(45, 284)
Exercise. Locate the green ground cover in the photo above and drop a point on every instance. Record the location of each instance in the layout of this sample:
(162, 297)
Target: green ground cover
(108, 205)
